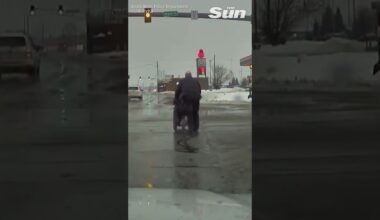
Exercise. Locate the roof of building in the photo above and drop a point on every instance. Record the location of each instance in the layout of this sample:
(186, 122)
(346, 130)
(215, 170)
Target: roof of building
(246, 61)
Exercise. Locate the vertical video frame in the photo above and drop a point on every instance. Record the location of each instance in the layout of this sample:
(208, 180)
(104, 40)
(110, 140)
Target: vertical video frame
(189, 109)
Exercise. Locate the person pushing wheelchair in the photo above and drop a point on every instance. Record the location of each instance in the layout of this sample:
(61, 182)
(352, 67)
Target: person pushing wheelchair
(186, 100)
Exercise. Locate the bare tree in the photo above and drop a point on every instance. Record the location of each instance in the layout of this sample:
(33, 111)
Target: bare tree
(281, 15)
(221, 76)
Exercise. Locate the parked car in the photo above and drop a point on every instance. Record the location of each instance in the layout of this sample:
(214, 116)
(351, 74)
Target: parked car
(135, 93)
(19, 54)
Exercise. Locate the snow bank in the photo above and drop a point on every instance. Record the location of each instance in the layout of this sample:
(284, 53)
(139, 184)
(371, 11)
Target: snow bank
(167, 92)
(226, 95)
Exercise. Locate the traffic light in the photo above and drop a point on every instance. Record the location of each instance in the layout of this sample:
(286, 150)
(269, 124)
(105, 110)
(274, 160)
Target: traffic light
(148, 15)
(60, 9)
(32, 10)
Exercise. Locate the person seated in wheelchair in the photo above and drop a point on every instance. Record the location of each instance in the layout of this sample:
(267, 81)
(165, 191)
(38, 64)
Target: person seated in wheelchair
(186, 101)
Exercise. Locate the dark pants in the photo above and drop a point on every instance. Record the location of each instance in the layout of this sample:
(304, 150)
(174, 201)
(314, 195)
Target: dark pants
(196, 115)
(193, 116)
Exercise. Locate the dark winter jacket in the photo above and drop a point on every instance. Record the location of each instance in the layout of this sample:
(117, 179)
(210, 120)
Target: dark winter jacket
(189, 88)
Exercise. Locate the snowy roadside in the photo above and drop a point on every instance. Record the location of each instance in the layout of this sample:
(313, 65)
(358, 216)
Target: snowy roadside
(223, 96)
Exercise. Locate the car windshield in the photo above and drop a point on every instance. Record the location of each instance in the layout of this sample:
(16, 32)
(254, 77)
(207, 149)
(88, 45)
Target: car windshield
(12, 41)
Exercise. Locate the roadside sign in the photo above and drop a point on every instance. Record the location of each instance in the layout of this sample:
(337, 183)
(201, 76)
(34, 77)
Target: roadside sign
(201, 62)
(201, 67)
(170, 13)
(194, 15)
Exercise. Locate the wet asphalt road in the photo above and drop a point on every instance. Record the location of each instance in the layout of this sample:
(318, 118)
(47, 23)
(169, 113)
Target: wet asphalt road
(316, 154)
(63, 142)
(222, 163)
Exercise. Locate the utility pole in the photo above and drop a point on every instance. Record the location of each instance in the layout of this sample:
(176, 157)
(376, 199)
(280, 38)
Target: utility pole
(157, 76)
(241, 74)
(210, 72)
(214, 73)
(231, 68)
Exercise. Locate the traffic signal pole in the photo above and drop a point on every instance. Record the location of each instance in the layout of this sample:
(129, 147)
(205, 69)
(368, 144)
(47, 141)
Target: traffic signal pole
(186, 15)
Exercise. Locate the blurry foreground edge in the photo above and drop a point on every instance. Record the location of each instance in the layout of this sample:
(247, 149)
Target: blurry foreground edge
(171, 204)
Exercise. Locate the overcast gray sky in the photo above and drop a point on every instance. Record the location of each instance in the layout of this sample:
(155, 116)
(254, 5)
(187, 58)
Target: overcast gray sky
(174, 42)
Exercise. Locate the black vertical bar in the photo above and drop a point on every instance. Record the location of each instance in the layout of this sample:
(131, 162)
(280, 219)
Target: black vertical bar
(255, 17)
(269, 24)
(354, 11)
(348, 13)
(378, 37)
